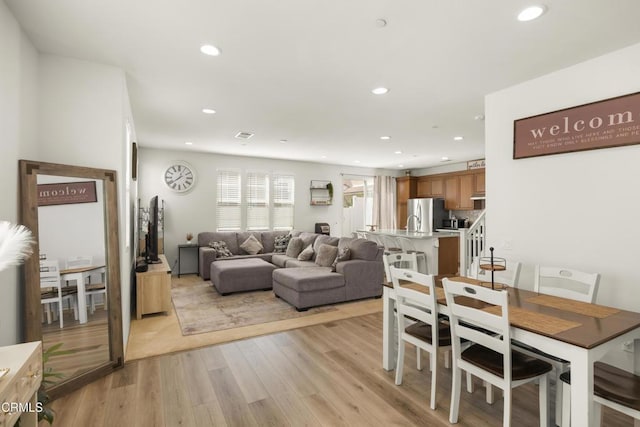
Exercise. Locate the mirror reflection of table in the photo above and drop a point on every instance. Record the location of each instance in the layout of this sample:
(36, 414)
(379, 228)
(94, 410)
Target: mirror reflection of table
(79, 275)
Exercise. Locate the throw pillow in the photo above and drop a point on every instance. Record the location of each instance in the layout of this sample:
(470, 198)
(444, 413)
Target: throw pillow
(252, 245)
(281, 243)
(307, 254)
(343, 255)
(221, 249)
(294, 247)
(326, 255)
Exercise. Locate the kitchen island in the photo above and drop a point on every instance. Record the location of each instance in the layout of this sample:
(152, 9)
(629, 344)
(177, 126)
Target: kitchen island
(442, 248)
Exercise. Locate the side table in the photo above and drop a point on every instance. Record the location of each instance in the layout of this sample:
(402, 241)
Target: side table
(188, 248)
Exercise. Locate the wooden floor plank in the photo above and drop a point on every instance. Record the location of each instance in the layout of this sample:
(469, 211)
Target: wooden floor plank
(327, 374)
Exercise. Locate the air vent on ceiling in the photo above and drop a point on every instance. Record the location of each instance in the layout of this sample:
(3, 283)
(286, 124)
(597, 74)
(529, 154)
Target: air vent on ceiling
(244, 135)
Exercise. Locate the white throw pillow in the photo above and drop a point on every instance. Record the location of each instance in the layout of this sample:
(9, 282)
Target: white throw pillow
(307, 254)
(252, 245)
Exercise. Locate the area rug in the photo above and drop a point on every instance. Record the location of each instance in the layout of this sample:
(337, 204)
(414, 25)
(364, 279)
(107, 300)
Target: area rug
(200, 308)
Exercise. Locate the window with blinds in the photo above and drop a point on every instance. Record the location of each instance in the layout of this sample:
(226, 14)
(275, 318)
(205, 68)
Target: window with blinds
(283, 202)
(229, 201)
(257, 201)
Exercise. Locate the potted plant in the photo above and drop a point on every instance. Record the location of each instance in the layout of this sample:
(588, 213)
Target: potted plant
(330, 189)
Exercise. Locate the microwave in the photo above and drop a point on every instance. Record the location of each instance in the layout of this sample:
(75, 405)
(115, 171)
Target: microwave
(453, 224)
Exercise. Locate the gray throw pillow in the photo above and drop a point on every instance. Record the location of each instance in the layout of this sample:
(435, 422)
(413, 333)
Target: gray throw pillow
(344, 254)
(306, 254)
(326, 255)
(294, 247)
(252, 245)
(281, 243)
(221, 249)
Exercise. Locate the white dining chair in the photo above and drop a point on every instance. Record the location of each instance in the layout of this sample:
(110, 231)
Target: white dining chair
(418, 322)
(52, 295)
(612, 387)
(564, 283)
(491, 357)
(510, 276)
(92, 289)
(399, 260)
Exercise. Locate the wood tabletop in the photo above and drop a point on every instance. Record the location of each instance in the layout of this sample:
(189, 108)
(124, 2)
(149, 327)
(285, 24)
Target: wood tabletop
(81, 269)
(574, 322)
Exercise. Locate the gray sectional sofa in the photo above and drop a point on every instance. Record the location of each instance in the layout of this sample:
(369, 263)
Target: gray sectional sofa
(302, 283)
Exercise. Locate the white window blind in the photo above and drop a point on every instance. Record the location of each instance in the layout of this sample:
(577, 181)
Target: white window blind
(283, 201)
(257, 201)
(228, 206)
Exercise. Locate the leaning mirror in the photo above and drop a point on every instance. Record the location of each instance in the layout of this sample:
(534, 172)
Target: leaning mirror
(72, 288)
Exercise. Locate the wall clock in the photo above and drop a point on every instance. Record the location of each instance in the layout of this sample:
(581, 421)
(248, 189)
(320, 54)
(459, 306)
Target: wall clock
(179, 176)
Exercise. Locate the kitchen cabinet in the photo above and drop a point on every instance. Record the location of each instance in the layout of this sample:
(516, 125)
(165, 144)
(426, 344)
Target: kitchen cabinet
(430, 186)
(451, 192)
(406, 188)
(467, 187)
(448, 256)
(479, 187)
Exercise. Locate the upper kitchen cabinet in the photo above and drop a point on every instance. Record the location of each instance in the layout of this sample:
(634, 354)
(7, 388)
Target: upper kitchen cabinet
(479, 184)
(430, 186)
(467, 187)
(406, 187)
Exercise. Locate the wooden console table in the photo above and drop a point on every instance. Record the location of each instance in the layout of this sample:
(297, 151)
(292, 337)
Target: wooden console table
(19, 387)
(153, 289)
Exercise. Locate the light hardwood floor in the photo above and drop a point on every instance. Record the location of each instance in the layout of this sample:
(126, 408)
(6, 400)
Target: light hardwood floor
(158, 334)
(323, 375)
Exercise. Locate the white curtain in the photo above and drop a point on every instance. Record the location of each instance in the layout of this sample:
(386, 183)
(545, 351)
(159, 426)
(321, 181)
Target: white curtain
(384, 202)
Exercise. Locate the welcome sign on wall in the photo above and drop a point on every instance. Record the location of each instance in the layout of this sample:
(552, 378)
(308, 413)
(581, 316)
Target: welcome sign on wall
(612, 122)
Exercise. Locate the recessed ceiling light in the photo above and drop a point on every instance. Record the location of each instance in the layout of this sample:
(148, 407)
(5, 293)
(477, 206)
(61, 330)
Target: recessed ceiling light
(356, 161)
(381, 23)
(385, 138)
(458, 138)
(380, 91)
(444, 159)
(208, 111)
(397, 152)
(188, 143)
(400, 166)
(210, 50)
(531, 13)
(479, 117)
(323, 157)
(283, 141)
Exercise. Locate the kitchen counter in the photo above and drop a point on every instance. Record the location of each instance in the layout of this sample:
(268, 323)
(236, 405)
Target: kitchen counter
(441, 248)
(415, 235)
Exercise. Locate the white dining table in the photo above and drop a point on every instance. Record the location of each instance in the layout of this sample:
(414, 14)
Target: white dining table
(582, 345)
(79, 275)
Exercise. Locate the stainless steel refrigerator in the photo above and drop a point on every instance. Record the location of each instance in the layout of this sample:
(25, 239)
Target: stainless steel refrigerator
(425, 215)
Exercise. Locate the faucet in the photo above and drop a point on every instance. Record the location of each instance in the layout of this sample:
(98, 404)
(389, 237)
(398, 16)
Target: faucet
(417, 222)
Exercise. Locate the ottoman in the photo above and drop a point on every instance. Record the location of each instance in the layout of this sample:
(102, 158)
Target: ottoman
(306, 287)
(236, 275)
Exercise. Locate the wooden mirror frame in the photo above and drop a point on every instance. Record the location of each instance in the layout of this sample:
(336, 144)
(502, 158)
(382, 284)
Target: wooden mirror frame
(29, 171)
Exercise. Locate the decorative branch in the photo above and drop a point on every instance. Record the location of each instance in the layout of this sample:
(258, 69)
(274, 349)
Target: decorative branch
(15, 244)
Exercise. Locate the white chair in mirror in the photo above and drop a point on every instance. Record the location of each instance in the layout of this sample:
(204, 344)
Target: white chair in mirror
(92, 288)
(53, 294)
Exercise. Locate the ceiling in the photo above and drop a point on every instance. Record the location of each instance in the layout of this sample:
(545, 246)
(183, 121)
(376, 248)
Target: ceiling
(303, 70)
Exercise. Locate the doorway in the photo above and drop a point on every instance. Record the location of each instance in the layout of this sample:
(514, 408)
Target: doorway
(357, 203)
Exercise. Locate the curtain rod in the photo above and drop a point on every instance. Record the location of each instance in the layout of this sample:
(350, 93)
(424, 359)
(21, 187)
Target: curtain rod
(355, 174)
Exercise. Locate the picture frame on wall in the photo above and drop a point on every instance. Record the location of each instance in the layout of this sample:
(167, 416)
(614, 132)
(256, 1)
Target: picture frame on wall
(134, 161)
(612, 122)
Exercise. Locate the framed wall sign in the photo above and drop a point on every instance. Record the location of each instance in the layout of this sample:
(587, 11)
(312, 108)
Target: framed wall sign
(613, 122)
(65, 193)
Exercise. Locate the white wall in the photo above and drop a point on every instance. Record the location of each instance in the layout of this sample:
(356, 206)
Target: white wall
(195, 211)
(72, 230)
(576, 209)
(18, 112)
(82, 121)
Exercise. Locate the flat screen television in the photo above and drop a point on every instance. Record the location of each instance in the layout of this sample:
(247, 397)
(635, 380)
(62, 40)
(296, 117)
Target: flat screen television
(152, 233)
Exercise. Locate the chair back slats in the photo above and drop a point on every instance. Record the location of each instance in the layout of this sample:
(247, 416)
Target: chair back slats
(566, 283)
(79, 261)
(465, 320)
(412, 303)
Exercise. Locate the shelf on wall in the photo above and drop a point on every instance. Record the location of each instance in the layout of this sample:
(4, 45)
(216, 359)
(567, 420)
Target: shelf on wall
(320, 193)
